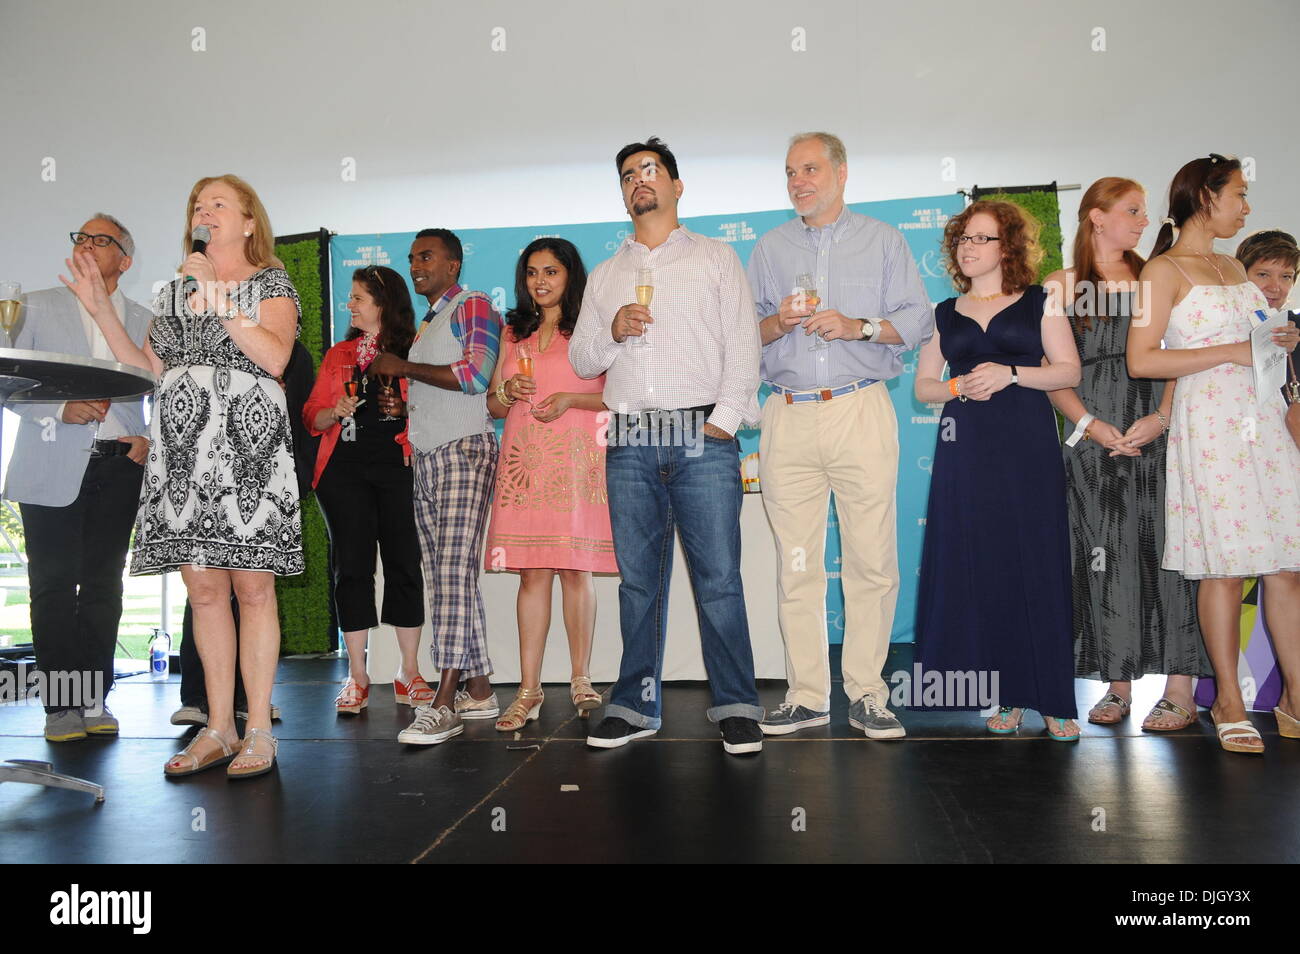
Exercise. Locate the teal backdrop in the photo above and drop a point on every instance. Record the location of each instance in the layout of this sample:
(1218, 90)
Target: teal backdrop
(490, 256)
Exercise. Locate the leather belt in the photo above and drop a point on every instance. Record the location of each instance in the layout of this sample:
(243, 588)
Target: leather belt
(665, 417)
(110, 449)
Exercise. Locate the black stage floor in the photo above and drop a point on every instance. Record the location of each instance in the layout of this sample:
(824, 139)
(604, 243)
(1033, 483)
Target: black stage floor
(346, 791)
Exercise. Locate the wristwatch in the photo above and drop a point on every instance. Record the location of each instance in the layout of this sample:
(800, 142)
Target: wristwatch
(1015, 375)
(232, 309)
(868, 329)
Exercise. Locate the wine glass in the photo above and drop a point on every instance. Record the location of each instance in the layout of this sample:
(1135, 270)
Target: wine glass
(645, 291)
(806, 287)
(524, 361)
(11, 294)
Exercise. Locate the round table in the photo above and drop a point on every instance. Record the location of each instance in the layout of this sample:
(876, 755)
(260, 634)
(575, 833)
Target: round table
(45, 376)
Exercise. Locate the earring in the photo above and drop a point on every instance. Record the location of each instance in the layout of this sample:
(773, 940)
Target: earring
(1096, 230)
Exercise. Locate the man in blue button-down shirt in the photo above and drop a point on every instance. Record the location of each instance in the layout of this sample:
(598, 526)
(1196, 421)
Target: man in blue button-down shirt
(829, 347)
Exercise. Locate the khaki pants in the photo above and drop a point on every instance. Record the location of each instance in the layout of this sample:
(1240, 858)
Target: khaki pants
(848, 445)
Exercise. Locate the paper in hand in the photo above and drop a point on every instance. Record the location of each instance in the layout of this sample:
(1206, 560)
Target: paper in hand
(1268, 357)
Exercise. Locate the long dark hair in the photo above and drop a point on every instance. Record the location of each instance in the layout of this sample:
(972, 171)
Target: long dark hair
(526, 317)
(1191, 192)
(396, 315)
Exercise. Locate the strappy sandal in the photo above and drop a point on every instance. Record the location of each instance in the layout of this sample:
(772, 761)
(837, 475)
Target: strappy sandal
(1004, 714)
(1051, 734)
(1173, 708)
(522, 711)
(584, 697)
(1230, 734)
(1107, 702)
(415, 693)
(256, 742)
(351, 698)
(219, 756)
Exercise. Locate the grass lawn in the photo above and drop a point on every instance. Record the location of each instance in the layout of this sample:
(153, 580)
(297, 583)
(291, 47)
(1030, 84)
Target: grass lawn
(141, 612)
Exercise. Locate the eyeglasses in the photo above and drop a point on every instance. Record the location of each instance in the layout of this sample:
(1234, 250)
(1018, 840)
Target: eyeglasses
(377, 275)
(99, 241)
(976, 239)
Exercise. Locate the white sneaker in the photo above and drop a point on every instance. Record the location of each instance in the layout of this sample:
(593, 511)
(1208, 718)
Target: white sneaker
(431, 726)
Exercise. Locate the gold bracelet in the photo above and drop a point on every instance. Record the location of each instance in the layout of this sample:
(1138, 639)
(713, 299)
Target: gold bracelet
(501, 395)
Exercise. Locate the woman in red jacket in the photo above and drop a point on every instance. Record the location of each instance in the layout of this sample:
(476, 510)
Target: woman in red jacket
(363, 482)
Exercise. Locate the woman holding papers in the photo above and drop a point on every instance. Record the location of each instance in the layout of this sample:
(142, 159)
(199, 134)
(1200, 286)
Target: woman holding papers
(1233, 473)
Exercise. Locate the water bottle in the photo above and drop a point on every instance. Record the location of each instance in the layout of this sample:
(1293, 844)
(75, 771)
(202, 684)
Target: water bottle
(160, 648)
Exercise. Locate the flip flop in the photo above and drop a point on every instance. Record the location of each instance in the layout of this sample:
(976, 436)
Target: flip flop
(1003, 713)
(1047, 724)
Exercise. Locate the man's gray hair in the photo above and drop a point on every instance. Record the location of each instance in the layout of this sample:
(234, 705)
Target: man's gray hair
(834, 145)
(128, 243)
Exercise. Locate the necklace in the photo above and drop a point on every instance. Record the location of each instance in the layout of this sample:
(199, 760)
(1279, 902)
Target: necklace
(1213, 264)
(974, 297)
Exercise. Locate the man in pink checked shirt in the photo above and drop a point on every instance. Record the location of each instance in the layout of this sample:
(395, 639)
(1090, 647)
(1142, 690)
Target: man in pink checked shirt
(455, 460)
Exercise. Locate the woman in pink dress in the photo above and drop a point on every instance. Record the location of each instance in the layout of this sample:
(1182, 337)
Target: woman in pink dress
(550, 513)
(1232, 471)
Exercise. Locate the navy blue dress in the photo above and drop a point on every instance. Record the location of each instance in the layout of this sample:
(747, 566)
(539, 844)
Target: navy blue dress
(994, 593)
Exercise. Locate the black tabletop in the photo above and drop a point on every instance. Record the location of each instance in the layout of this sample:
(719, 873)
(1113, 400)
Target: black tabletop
(46, 376)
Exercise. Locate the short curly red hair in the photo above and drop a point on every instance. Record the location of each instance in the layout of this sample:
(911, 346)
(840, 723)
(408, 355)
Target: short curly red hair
(1017, 235)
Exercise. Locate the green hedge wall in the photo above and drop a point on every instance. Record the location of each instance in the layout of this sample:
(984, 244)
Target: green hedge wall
(306, 620)
(1043, 207)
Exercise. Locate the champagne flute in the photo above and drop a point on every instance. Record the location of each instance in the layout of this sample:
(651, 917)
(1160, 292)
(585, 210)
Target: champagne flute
(386, 386)
(11, 294)
(645, 291)
(524, 361)
(806, 286)
(350, 384)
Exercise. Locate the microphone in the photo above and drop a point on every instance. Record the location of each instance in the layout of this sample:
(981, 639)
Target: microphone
(199, 239)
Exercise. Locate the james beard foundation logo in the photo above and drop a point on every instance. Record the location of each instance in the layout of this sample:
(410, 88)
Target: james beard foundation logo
(93, 908)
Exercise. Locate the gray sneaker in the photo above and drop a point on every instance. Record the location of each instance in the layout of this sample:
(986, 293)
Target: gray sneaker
(64, 726)
(788, 717)
(467, 707)
(189, 715)
(243, 714)
(103, 723)
(874, 719)
(431, 726)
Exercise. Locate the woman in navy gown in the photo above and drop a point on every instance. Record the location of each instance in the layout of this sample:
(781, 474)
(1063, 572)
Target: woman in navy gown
(994, 595)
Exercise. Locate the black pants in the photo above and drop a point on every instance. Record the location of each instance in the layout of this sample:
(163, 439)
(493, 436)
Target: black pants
(76, 555)
(194, 691)
(370, 507)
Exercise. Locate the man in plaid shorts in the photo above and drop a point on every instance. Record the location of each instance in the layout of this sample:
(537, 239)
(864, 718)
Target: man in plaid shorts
(455, 461)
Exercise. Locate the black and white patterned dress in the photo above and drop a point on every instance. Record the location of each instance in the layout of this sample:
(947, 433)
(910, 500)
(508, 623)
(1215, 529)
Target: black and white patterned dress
(220, 488)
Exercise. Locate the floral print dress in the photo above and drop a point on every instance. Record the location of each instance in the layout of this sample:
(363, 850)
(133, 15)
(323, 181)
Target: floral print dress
(1232, 471)
(550, 509)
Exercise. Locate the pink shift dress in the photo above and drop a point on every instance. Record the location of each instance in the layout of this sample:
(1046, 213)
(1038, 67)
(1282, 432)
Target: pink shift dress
(550, 509)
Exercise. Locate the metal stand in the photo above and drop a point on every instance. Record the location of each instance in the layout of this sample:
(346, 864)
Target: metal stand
(42, 773)
(43, 376)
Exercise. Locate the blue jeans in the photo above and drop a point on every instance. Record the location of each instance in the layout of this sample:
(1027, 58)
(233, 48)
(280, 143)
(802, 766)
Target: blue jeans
(694, 485)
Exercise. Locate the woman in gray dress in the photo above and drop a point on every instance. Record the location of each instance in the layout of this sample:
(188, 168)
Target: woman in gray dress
(1131, 618)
